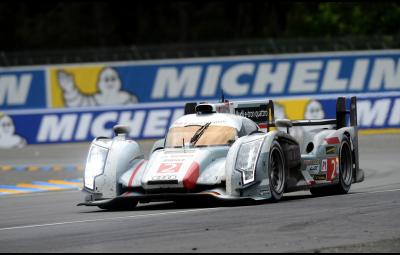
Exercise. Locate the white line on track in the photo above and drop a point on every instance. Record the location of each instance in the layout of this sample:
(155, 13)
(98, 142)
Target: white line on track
(106, 219)
(155, 214)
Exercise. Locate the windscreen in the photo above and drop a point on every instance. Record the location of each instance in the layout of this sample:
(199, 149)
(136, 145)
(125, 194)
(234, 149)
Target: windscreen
(212, 135)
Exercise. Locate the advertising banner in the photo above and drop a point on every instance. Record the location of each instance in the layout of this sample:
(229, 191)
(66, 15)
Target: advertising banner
(77, 102)
(202, 79)
(272, 76)
(65, 126)
(23, 89)
(52, 126)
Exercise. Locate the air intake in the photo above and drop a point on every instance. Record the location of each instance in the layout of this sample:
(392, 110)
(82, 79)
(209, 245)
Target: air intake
(205, 108)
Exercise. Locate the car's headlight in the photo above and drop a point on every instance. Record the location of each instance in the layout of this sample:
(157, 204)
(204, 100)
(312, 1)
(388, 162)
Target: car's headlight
(247, 158)
(94, 165)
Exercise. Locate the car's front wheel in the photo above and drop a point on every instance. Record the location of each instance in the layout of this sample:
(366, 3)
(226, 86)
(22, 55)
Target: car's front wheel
(276, 172)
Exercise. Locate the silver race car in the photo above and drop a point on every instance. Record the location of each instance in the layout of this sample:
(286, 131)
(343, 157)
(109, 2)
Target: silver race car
(227, 151)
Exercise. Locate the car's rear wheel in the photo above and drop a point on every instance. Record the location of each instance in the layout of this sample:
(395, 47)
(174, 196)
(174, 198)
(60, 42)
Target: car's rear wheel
(345, 173)
(346, 167)
(276, 172)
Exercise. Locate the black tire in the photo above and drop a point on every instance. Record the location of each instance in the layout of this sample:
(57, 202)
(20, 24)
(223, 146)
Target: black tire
(120, 205)
(345, 167)
(345, 173)
(276, 172)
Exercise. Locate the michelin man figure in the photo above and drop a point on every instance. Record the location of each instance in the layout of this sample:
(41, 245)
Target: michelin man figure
(8, 138)
(109, 87)
(314, 111)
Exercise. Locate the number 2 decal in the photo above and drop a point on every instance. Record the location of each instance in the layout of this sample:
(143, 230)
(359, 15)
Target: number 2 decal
(332, 168)
(167, 168)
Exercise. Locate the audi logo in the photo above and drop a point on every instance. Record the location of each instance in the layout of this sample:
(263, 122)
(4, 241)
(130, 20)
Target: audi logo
(164, 177)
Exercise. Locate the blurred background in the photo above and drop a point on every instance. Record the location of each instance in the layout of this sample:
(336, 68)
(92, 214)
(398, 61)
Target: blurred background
(70, 71)
(81, 31)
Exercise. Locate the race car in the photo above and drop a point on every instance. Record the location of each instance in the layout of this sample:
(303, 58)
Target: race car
(228, 151)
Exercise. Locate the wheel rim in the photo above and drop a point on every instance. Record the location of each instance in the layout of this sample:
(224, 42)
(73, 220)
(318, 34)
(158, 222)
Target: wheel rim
(276, 171)
(346, 164)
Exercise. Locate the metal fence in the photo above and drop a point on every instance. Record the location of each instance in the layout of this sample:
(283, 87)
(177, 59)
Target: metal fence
(207, 49)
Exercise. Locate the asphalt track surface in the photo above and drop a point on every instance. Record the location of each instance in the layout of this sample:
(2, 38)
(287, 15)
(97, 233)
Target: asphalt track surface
(365, 220)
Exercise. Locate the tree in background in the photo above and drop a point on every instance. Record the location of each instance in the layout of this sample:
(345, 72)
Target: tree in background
(57, 24)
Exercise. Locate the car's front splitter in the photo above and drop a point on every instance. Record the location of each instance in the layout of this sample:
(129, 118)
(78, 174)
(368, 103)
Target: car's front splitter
(135, 196)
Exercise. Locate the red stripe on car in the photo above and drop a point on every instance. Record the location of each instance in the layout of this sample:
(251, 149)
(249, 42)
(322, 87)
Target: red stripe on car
(190, 179)
(263, 125)
(134, 173)
(332, 140)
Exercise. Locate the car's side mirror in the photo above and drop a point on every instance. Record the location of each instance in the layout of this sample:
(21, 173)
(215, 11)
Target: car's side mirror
(158, 145)
(121, 129)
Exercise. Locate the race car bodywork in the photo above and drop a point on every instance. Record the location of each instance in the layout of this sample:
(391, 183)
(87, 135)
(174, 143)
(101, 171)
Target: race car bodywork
(229, 151)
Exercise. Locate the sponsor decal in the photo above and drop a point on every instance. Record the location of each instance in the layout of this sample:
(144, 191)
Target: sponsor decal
(324, 165)
(257, 114)
(313, 169)
(330, 150)
(319, 177)
(164, 177)
(311, 162)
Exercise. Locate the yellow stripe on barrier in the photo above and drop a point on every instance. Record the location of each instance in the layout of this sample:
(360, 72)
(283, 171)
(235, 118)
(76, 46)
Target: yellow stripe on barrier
(379, 131)
(77, 184)
(33, 168)
(6, 168)
(27, 185)
(10, 191)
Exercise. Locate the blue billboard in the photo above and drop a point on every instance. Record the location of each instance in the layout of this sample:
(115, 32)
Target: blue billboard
(65, 126)
(181, 80)
(271, 76)
(75, 103)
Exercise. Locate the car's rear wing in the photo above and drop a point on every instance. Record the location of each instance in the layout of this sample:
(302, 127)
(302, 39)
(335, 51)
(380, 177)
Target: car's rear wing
(263, 113)
(260, 112)
(341, 116)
